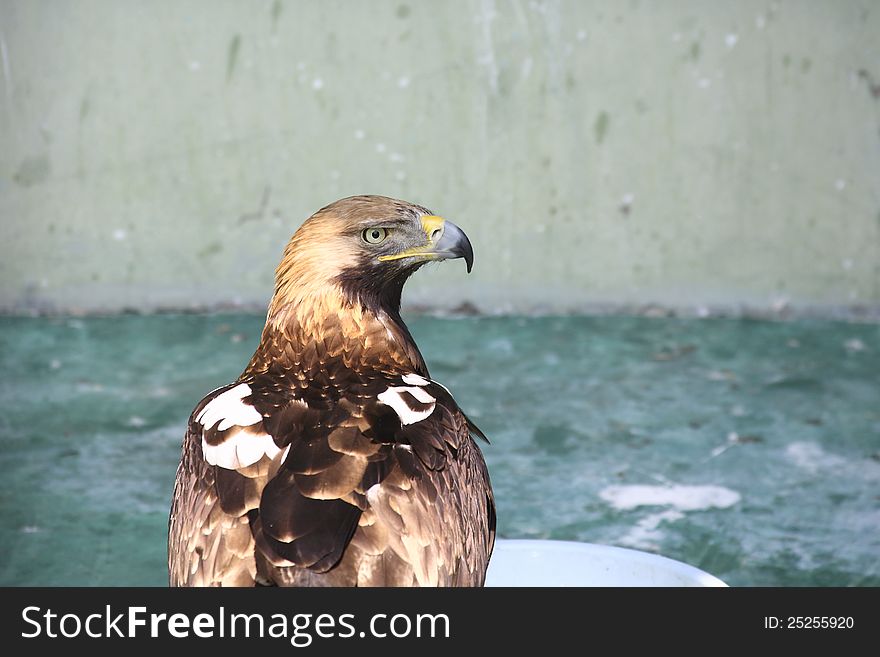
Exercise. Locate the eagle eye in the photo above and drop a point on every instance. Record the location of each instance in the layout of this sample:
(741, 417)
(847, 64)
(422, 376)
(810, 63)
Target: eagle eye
(375, 235)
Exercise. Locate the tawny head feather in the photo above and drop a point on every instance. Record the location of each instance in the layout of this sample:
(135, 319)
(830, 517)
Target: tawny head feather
(342, 274)
(333, 254)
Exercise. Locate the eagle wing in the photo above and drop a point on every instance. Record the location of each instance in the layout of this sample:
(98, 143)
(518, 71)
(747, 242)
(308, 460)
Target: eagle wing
(374, 480)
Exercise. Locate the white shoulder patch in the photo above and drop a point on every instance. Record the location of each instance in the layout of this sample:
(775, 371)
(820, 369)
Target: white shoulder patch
(415, 380)
(242, 447)
(228, 409)
(392, 397)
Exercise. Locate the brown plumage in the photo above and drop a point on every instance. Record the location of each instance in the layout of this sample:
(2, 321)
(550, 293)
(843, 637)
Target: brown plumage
(334, 460)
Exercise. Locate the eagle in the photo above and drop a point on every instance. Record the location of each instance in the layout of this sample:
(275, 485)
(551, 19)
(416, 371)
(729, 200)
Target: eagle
(334, 459)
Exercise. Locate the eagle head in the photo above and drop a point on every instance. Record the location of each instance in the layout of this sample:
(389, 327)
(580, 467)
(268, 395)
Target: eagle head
(364, 248)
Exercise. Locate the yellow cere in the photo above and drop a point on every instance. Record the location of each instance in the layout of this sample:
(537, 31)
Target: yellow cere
(430, 223)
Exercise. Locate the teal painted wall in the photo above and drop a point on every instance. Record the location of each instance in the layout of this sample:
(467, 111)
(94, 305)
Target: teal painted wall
(687, 154)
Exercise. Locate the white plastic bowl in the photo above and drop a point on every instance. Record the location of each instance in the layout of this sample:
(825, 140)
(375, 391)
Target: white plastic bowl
(565, 563)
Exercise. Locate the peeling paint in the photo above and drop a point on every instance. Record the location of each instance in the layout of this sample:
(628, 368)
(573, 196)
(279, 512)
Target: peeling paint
(7, 69)
(84, 107)
(260, 212)
(32, 171)
(210, 249)
(600, 127)
(232, 56)
(873, 86)
(277, 9)
(486, 46)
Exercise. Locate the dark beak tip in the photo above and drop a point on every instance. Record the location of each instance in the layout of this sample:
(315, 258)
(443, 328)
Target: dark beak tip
(456, 244)
(467, 252)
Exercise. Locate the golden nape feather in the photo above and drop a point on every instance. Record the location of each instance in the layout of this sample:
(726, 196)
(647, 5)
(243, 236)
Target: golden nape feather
(334, 459)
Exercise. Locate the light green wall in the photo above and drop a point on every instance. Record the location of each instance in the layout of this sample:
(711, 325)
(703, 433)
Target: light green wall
(159, 154)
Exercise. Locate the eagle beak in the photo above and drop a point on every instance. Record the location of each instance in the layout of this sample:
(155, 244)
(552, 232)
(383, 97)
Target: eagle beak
(452, 242)
(445, 241)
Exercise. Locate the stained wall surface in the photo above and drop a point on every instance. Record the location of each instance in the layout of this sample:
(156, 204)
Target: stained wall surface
(159, 155)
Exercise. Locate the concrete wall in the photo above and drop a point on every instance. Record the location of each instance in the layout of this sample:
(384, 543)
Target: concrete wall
(159, 154)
